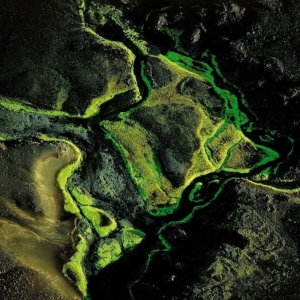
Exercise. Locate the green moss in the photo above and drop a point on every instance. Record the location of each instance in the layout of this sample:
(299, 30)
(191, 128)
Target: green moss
(140, 159)
(246, 156)
(131, 238)
(220, 143)
(109, 251)
(153, 122)
(17, 105)
(65, 174)
(103, 223)
(92, 109)
(75, 267)
(270, 155)
(195, 191)
(139, 154)
(80, 197)
(233, 114)
(152, 209)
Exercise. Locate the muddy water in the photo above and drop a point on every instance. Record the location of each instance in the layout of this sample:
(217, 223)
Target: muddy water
(45, 172)
(35, 230)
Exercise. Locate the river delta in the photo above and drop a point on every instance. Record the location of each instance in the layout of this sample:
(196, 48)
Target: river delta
(149, 150)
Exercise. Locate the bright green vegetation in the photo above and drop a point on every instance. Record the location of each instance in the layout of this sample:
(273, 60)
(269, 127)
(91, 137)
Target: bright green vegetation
(66, 173)
(235, 164)
(217, 146)
(131, 238)
(194, 192)
(101, 221)
(227, 148)
(138, 152)
(93, 109)
(141, 159)
(221, 144)
(173, 33)
(109, 250)
(75, 268)
(193, 146)
(233, 114)
(80, 197)
(149, 88)
(263, 175)
(18, 105)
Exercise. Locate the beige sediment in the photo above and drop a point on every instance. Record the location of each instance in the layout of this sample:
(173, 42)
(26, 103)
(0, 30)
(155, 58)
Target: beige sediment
(45, 173)
(41, 242)
(37, 253)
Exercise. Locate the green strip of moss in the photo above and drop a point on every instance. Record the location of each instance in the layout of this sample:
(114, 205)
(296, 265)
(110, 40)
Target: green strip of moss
(80, 197)
(74, 266)
(65, 174)
(196, 189)
(103, 223)
(131, 238)
(109, 251)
